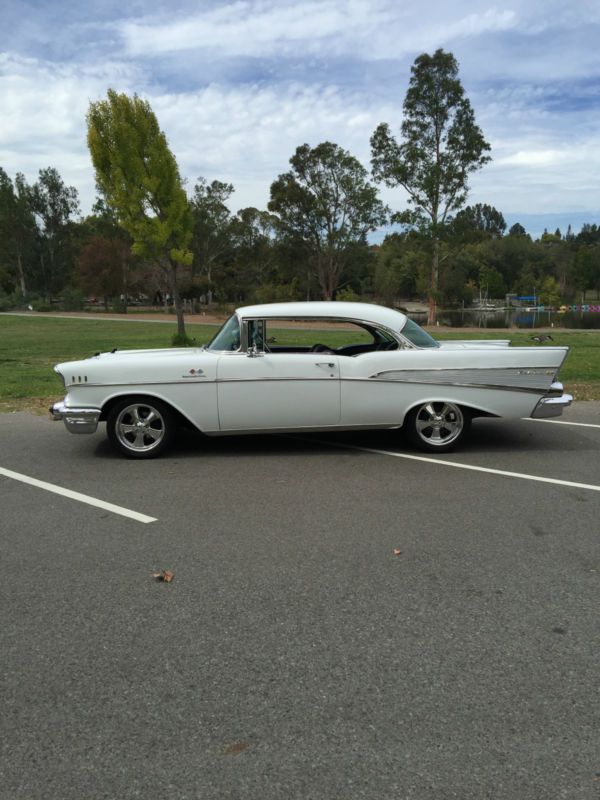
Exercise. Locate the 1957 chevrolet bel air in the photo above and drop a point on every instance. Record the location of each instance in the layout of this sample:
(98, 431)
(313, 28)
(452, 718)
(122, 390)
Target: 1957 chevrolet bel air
(310, 366)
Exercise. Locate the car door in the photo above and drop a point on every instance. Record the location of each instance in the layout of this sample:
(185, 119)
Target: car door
(262, 391)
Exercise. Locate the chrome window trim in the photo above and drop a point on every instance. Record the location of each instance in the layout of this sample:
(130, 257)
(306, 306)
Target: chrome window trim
(396, 335)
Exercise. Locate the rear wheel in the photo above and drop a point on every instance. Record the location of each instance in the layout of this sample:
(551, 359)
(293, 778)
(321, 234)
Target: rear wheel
(140, 428)
(437, 427)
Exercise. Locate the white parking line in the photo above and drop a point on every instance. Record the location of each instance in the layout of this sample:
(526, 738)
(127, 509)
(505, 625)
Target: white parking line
(564, 422)
(523, 476)
(82, 498)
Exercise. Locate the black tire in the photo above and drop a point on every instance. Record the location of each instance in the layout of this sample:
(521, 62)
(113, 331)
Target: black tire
(140, 427)
(437, 427)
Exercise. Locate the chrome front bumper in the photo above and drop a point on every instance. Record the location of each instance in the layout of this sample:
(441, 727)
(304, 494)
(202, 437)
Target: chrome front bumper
(77, 420)
(553, 404)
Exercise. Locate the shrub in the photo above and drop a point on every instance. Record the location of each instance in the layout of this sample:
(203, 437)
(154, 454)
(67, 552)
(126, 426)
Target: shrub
(277, 293)
(7, 302)
(117, 306)
(347, 295)
(182, 341)
(72, 300)
(41, 305)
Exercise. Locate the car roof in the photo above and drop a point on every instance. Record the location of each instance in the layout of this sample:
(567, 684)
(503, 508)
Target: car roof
(364, 312)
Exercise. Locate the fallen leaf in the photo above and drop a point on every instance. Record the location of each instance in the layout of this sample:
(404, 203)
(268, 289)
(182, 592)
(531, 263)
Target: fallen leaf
(397, 551)
(236, 748)
(163, 575)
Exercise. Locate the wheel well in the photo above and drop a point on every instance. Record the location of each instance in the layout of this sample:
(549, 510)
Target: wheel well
(109, 405)
(470, 410)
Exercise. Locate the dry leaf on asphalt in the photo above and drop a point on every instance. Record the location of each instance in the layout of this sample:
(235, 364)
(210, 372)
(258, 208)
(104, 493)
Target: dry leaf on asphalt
(163, 575)
(397, 551)
(236, 748)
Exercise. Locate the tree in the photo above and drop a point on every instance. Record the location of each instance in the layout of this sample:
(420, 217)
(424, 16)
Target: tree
(481, 219)
(517, 230)
(256, 254)
(585, 272)
(327, 204)
(17, 228)
(53, 204)
(103, 267)
(212, 221)
(441, 145)
(137, 174)
(549, 292)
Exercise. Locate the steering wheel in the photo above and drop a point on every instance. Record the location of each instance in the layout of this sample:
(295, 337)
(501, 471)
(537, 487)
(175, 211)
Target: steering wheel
(320, 348)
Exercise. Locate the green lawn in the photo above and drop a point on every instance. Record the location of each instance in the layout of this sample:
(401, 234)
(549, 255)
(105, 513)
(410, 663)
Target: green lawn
(30, 346)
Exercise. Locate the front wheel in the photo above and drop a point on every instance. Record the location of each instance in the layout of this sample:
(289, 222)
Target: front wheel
(140, 428)
(437, 427)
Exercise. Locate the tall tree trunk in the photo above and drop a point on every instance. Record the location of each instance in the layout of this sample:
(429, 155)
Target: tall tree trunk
(124, 273)
(177, 301)
(21, 272)
(433, 286)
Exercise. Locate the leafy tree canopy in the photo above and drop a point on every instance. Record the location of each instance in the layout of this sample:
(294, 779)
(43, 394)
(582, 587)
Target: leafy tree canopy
(327, 202)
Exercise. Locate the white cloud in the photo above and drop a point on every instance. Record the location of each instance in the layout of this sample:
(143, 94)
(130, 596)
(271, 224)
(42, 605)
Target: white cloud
(375, 29)
(530, 70)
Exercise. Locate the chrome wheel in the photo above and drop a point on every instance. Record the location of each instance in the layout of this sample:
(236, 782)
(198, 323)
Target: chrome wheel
(140, 428)
(437, 425)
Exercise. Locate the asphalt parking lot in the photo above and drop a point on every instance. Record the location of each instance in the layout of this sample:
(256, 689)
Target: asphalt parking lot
(295, 655)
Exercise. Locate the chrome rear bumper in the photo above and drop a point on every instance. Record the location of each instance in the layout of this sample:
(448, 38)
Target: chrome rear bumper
(552, 405)
(77, 420)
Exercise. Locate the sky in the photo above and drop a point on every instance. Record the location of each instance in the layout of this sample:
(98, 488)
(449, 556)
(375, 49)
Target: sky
(238, 85)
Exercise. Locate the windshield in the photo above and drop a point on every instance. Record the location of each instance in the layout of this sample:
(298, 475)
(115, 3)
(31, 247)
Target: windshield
(228, 337)
(415, 334)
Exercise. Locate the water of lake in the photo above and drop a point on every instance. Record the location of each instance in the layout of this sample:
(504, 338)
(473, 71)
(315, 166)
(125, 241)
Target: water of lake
(513, 318)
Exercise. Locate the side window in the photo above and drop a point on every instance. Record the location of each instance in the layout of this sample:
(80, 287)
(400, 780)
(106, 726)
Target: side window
(256, 334)
(316, 335)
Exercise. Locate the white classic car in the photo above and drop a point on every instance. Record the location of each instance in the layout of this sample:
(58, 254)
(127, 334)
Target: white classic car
(310, 367)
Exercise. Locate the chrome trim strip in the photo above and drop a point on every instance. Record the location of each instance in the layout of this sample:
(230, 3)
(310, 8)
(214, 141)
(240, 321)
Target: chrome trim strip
(457, 384)
(524, 370)
(402, 341)
(494, 386)
(305, 429)
(139, 383)
(518, 378)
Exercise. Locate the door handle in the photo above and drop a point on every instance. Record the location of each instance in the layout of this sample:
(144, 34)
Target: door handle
(330, 364)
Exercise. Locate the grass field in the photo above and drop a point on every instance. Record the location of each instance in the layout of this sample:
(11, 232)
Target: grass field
(30, 346)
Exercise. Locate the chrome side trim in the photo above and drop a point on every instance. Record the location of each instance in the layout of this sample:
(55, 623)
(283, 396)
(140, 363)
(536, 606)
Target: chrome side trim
(139, 383)
(515, 378)
(305, 429)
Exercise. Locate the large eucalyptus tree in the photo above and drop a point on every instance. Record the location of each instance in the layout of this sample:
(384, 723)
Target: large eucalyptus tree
(440, 146)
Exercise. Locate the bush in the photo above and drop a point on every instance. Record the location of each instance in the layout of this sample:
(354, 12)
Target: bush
(117, 306)
(7, 302)
(347, 295)
(182, 341)
(41, 305)
(277, 293)
(72, 300)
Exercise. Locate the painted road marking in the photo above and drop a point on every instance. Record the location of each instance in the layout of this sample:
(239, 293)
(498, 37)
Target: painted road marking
(82, 498)
(523, 476)
(564, 422)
